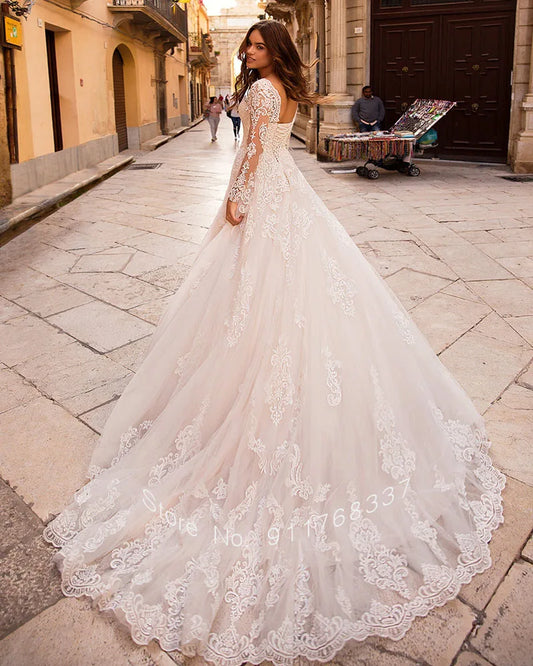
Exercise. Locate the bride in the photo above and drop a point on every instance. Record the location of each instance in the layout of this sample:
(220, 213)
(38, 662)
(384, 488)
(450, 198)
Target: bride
(291, 467)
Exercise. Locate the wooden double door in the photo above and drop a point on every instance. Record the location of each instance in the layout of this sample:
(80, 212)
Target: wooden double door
(460, 50)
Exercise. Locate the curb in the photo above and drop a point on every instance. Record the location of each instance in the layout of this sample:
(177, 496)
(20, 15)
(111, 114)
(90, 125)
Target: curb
(44, 200)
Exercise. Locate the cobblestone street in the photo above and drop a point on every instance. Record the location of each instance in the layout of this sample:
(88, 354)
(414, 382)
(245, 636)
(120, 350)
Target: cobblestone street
(82, 290)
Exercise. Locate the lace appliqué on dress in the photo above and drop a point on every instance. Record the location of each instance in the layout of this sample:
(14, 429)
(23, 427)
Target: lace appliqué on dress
(264, 103)
(340, 288)
(398, 458)
(333, 381)
(241, 308)
(280, 389)
(187, 443)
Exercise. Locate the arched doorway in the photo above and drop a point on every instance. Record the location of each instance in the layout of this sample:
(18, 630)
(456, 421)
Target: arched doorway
(119, 94)
(461, 50)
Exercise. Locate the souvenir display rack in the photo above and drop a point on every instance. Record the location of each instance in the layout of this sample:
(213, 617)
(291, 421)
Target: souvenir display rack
(392, 150)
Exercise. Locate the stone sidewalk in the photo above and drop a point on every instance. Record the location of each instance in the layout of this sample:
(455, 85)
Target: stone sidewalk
(82, 290)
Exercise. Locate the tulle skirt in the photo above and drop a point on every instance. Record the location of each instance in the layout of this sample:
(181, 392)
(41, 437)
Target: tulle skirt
(291, 467)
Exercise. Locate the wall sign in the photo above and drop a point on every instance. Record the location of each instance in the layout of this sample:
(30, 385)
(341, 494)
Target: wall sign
(11, 32)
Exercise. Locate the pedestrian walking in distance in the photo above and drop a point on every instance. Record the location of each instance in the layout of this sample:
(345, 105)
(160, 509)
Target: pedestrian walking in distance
(212, 112)
(368, 111)
(291, 468)
(236, 120)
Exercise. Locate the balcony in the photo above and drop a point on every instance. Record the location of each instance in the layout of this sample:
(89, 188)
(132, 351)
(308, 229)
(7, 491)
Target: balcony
(200, 47)
(160, 18)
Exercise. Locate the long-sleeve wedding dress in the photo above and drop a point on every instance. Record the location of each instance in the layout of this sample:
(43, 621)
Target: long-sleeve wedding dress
(292, 466)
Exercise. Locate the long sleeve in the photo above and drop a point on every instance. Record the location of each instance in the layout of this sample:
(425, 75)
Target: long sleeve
(355, 112)
(381, 110)
(263, 105)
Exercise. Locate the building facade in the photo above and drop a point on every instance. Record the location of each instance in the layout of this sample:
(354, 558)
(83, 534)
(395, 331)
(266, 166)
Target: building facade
(476, 52)
(227, 30)
(200, 58)
(90, 79)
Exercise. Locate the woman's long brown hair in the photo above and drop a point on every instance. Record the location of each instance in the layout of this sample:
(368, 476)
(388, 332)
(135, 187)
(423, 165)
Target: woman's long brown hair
(288, 65)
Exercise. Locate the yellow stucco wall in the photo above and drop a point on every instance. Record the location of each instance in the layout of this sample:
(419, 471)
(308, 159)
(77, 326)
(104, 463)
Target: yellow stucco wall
(85, 77)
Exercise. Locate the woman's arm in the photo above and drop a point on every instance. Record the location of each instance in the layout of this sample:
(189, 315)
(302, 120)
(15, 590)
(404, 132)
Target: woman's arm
(264, 109)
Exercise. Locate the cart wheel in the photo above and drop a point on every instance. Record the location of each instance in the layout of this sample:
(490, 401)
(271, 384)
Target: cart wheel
(360, 171)
(413, 171)
(373, 174)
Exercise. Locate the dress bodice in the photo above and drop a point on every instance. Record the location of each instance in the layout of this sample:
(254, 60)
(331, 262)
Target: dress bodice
(265, 144)
(277, 135)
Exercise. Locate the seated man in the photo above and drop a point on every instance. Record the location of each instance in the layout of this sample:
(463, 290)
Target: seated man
(368, 111)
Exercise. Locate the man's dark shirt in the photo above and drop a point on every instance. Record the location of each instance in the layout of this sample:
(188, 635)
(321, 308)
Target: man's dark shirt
(368, 110)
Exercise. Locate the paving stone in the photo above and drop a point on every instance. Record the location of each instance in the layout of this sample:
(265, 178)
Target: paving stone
(96, 418)
(506, 636)
(436, 638)
(518, 266)
(9, 310)
(505, 544)
(525, 234)
(51, 261)
(471, 263)
(101, 326)
(27, 336)
(44, 453)
(29, 581)
(418, 260)
(510, 424)
(143, 263)
(382, 233)
(76, 376)
(151, 312)
(22, 280)
(99, 395)
(523, 325)
(484, 366)
(526, 378)
(461, 289)
(468, 658)
(18, 521)
(527, 552)
(73, 633)
(104, 263)
(162, 246)
(15, 390)
(131, 355)
(443, 331)
(507, 297)
(51, 301)
(413, 288)
(168, 277)
(122, 291)
(75, 240)
(509, 248)
(441, 235)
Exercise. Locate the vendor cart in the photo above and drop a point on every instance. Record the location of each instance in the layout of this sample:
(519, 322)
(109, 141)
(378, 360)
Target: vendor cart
(392, 150)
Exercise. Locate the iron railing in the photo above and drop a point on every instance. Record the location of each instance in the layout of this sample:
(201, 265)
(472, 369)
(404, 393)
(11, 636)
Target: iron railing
(171, 11)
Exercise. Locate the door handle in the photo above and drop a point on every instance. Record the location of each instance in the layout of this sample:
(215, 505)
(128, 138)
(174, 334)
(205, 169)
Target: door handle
(475, 107)
(403, 106)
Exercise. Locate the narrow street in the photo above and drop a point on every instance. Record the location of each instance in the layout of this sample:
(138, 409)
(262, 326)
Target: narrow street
(82, 290)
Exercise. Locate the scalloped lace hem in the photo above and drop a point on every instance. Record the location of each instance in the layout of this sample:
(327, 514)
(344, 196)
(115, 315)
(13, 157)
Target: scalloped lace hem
(419, 606)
